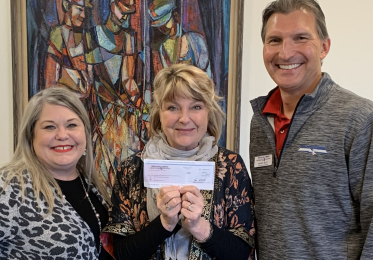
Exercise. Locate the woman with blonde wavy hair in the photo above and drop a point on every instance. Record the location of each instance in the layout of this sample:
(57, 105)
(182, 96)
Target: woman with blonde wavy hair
(175, 222)
(52, 201)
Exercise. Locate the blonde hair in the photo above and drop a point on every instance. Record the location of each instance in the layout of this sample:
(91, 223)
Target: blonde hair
(24, 157)
(186, 81)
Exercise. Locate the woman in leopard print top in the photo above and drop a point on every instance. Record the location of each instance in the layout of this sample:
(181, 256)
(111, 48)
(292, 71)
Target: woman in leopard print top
(44, 210)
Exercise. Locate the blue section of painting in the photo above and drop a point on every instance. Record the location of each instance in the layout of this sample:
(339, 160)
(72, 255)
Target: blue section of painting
(123, 64)
(104, 12)
(216, 21)
(226, 21)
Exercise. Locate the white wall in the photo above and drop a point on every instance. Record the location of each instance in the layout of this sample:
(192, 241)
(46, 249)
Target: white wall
(6, 104)
(349, 61)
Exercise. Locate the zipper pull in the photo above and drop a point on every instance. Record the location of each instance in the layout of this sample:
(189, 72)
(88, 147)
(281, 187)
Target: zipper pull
(275, 172)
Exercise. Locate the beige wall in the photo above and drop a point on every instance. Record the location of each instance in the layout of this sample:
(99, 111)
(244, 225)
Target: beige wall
(348, 62)
(6, 129)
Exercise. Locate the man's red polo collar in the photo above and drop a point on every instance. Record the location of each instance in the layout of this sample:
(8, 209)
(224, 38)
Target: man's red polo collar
(282, 123)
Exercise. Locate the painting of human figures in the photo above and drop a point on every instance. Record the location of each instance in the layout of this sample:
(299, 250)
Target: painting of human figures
(109, 51)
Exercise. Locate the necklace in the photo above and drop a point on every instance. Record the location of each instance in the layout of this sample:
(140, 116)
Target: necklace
(94, 210)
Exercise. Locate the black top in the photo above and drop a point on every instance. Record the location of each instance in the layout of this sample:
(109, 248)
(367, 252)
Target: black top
(222, 243)
(75, 195)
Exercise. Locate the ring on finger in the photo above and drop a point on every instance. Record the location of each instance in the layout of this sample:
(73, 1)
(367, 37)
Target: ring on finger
(167, 206)
(190, 207)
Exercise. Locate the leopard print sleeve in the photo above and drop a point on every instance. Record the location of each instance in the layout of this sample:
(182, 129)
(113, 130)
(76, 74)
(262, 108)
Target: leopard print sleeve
(28, 232)
(10, 200)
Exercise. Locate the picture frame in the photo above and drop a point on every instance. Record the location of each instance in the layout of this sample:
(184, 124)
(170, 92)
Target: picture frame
(20, 69)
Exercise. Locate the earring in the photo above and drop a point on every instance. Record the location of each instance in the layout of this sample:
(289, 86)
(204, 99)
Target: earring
(85, 152)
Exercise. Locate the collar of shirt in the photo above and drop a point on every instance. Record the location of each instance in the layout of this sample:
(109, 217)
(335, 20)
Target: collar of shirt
(274, 104)
(282, 123)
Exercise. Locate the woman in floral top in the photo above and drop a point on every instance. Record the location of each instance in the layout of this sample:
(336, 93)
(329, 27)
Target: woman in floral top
(183, 222)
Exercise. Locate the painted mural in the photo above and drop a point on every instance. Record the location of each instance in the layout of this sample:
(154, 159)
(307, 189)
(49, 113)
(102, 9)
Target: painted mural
(108, 51)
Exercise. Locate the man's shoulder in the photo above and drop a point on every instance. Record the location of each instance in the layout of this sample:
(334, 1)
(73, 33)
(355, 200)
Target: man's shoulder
(351, 101)
(349, 108)
(258, 103)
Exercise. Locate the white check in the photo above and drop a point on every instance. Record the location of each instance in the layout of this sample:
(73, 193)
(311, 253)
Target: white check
(161, 173)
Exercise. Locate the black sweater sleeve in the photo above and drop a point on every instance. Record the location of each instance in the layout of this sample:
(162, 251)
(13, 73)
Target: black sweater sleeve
(142, 244)
(226, 246)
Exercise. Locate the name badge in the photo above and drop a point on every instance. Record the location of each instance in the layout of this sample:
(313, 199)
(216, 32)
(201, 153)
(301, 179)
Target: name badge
(264, 160)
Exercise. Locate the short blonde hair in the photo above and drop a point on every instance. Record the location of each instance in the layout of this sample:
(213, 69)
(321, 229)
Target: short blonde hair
(25, 158)
(186, 81)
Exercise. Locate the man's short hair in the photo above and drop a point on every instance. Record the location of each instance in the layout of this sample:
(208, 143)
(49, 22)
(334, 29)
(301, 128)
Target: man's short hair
(288, 6)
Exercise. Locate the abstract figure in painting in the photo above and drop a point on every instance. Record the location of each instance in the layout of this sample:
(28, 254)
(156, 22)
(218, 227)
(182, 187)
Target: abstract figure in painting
(177, 45)
(65, 61)
(109, 51)
(116, 95)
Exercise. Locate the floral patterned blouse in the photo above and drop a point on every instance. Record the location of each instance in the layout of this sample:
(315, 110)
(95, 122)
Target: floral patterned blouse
(229, 206)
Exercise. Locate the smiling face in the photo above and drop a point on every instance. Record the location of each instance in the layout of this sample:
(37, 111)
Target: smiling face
(293, 51)
(59, 140)
(184, 122)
